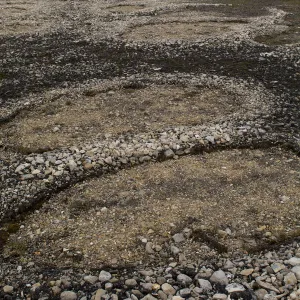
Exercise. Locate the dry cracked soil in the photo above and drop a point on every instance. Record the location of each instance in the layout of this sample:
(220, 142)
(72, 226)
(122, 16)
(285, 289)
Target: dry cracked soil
(124, 122)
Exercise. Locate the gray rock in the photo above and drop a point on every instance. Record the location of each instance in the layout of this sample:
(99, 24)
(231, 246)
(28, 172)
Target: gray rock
(104, 276)
(219, 277)
(169, 153)
(184, 279)
(68, 295)
(185, 292)
(161, 280)
(148, 248)
(210, 138)
(205, 285)
(147, 286)
(174, 250)
(178, 238)
(131, 283)
(294, 261)
(260, 294)
(228, 265)
(296, 271)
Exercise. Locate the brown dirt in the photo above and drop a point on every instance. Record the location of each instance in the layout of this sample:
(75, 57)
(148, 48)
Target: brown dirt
(251, 192)
(81, 118)
(124, 8)
(179, 30)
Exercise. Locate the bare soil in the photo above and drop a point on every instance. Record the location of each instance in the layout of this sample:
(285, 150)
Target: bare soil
(180, 30)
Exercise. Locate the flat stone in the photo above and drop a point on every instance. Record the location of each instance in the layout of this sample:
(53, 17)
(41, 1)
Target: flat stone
(219, 277)
(277, 267)
(234, 287)
(246, 272)
(219, 296)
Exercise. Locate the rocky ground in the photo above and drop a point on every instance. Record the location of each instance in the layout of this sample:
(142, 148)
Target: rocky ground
(149, 150)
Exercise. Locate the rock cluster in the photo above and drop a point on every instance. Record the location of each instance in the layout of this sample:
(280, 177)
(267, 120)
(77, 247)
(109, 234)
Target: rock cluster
(270, 275)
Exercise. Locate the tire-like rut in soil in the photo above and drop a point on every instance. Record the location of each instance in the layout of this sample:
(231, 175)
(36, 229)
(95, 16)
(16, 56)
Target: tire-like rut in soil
(123, 124)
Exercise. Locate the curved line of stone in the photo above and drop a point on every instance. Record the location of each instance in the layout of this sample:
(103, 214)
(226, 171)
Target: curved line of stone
(31, 178)
(254, 26)
(256, 97)
(39, 175)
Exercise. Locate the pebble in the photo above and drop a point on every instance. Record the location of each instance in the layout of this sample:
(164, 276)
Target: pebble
(8, 289)
(168, 289)
(178, 238)
(219, 277)
(247, 272)
(68, 295)
(234, 287)
(90, 279)
(205, 285)
(131, 283)
(104, 276)
(184, 279)
(219, 296)
(296, 270)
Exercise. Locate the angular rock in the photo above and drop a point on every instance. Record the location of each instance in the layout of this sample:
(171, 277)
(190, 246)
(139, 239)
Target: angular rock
(290, 278)
(184, 279)
(178, 238)
(205, 285)
(296, 271)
